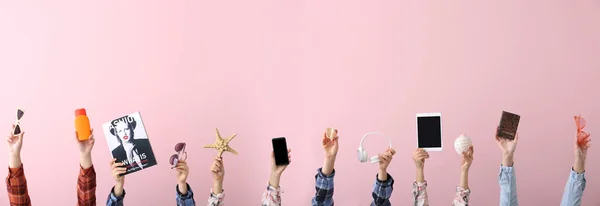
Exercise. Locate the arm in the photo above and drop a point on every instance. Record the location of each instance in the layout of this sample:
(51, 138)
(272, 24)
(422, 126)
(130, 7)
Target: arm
(217, 198)
(507, 178)
(16, 184)
(574, 189)
(86, 186)
(325, 174)
(115, 200)
(384, 183)
(419, 190)
(117, 193)
(508, 186)
(576, 183)
(462, 191)
(184, 199)
(272, 196)
(382, 190)
(86, 182)
(183, 192)
(324, 188)
(419, 193)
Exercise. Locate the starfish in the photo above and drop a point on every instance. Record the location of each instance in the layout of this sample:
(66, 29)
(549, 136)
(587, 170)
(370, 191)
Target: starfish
(222, 145)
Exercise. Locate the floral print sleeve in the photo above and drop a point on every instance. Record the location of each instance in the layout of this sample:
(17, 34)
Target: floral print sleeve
(216, 200)
(272, 196)
(462, 197)
(420, 194)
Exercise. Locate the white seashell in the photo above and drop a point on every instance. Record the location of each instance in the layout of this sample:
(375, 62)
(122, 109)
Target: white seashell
(462, 144)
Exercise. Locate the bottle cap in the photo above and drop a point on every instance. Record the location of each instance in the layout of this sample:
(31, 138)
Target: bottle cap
(80, 112)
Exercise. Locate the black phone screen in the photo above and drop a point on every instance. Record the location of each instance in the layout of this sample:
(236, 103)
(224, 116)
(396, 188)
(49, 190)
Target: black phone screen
(281, 151)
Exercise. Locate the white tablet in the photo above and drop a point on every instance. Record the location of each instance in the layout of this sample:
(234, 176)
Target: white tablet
(429, 131)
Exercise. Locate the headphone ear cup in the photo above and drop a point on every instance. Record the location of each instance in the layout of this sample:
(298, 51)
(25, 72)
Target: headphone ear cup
(362, 155)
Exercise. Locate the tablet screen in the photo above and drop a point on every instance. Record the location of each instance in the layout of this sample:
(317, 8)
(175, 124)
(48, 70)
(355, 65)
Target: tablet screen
(429, 132)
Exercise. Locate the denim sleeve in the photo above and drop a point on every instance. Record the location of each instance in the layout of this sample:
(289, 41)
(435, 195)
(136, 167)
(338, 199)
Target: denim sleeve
(185, 200)
(382, 191)
(324, 187)
(508, 186)
(574, 189)
(114, 200)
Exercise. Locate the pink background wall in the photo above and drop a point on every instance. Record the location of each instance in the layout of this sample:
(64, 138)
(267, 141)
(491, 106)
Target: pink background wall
(264, 69)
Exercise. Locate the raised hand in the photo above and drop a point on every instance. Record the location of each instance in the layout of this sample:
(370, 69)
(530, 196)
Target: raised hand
(182, 174)
(508, 148)
(85, 150)
(330, 146)
(331, 150)
(278, 169)
(85, 146)
(582, 144)
(467, 159)
(15, 142)
(385, 158)
(218, 169)
(182, 171)
(419, 157)
(384, 161)
(117, 170)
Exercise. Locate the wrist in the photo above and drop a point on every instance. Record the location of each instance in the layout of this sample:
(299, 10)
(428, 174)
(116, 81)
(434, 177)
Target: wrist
(14, 155)
(276, 174)
(182, 182)
(465, 170)
(382, 171)
(85, 154)
(382, 175)
(330, 158)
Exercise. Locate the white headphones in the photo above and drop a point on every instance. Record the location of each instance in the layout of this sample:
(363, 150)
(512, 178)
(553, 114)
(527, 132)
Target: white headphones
(362, 154)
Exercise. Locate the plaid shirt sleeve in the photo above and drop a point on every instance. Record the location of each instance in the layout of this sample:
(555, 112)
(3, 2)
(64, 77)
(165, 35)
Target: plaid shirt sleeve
(216, 200)
(114, 200)
(86, 187)
(420, 197)
(324, 187)
(187, 199)
(16, 185)
(462, 197)
(272, 196)
(382, 191)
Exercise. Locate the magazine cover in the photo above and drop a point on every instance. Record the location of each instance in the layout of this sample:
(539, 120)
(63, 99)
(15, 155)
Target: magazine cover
(128, 142)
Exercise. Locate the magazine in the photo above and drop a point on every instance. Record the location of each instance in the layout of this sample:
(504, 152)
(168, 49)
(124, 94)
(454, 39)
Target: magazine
(128, 142)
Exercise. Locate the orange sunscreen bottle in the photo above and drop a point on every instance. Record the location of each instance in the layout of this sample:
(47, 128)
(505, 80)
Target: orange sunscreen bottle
(82, 125)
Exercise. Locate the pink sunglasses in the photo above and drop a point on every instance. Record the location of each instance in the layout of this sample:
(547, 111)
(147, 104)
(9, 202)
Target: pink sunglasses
(580, 123)
(181, 154)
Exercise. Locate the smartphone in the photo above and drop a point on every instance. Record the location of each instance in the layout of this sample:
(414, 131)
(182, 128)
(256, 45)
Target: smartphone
(281, 151)
(509, 123)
